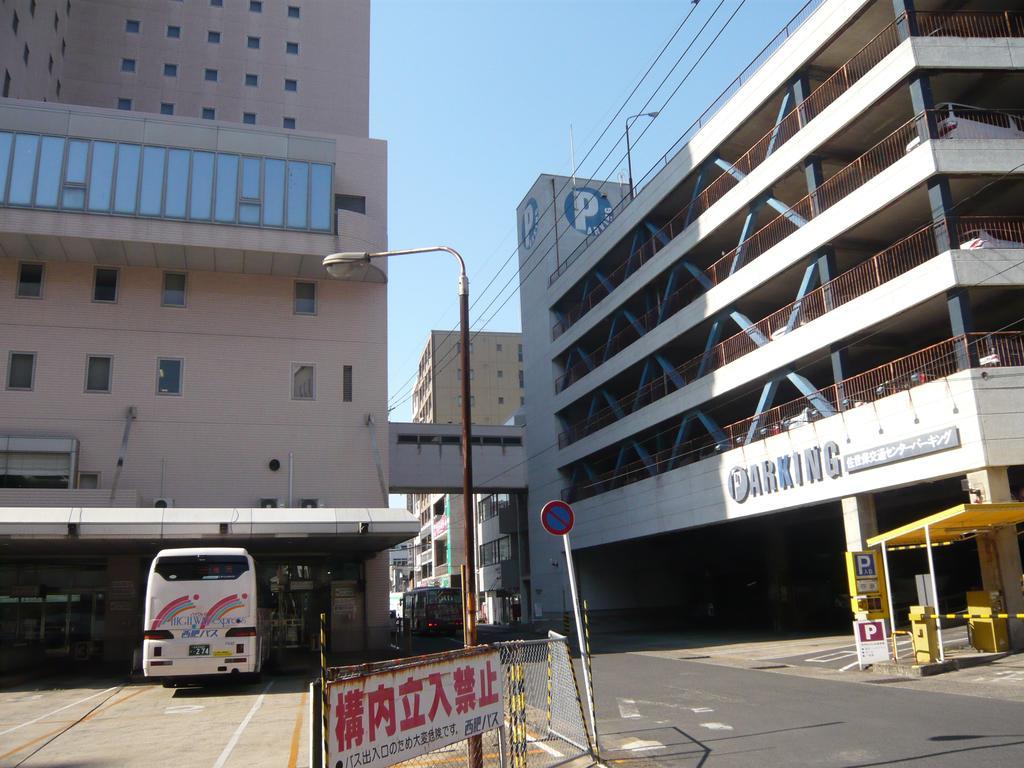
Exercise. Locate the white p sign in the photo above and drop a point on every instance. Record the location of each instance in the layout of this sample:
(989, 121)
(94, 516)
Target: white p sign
(864, 562)
(871, 631)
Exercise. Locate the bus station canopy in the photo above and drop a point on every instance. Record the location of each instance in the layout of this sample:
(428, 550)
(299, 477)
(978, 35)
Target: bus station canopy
(951, 525)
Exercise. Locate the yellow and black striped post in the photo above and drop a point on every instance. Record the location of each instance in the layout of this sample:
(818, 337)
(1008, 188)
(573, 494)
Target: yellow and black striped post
(566, 624)
(579, 699)
(324, 729)
(975, 615)
(590, 674)
(550, 661)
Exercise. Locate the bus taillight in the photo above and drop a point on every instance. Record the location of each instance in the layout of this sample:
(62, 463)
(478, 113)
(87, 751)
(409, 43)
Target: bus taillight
(157, 634)
(241, 632)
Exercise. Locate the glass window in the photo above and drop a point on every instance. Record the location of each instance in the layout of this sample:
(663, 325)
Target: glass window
(173, 31)
(127, 65)
(256, 6)
(89, 480)
(104, 286)
(26, 148)
(170, 70)
(21, 370)
(168, 376)
(293, 11)
(15, 22)
(217, 3)
(292, 48)
(346, 383)
(126, 187)
(212, 36)
(74, 175)
(210, 75)
(303, 382)
(202, 186)
(253, 42)
(174, 289)
(249, 118)
(51, 157)
(166, 108)
(125, 104)
(305, 298)
(209, 113)
(320, 202)
(291, 85)
(30, 281)
(201, 567)
(227, 187)
(101, 175)
(298, 193)
(25, 54)
(249, 212)
(273, 193)
(289, 122)
(97, 373)
(132, 25)
(252, 80)
(6, 140)
(153, 159)
(177, 183)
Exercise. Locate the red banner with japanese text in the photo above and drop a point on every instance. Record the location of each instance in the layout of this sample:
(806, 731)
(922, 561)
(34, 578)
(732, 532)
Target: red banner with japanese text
(383, 717)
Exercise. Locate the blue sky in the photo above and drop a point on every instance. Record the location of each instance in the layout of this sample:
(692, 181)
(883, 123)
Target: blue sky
(475, 99)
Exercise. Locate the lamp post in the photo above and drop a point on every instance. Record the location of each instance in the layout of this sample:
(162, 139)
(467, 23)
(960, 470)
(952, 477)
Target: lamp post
(629, 160)
(357, 266)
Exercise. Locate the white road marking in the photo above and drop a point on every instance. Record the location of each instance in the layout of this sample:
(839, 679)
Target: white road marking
(849, 666)
(54, 712)
(183, 709)
(698, 710)
(639, 745)
(628, 709)
(550, 750)
(230, 746)
(716, 726)
(829, 657)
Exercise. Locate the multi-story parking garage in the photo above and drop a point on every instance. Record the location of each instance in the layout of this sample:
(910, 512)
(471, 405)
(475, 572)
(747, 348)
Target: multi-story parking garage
(805, 325)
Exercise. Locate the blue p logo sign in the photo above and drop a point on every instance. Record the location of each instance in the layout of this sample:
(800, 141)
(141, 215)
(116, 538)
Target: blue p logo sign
(864, 563)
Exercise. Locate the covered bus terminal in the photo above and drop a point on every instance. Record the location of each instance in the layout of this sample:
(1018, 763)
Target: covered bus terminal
(73, 580)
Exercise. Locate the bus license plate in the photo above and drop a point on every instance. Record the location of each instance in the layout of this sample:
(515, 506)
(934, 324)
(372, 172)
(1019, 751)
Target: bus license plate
(199, 650)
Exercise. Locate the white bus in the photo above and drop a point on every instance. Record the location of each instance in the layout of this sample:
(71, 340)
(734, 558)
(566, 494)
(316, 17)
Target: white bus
(201, 615)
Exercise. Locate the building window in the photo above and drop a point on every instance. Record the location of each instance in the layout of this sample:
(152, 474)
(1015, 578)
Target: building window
(501, 400)
(67, 8)
(217, 3)
(289, 122)
(499, 347)
(209, 113)
(520, 378)
(522, 400)
(346, 383)
(124, 104)
(7, 84)
(256, 6)
(174, 31)
(520, 353)
(170, 70)
(49, 66)
(56, 21)
(63, 47)
(58, 87)
(30, 281)
(169, 375)
(303, 381)
(21, 370)
(210, 75)
(15, 22)
(88, 480)
(292, 48)
(213, 37)
(293, 12)
(174, 289)
(253, 42)
(131, 25)
(252, 80)
(166, 108)
(291, 85)
(32, 8)
(98, 373)
(104, 287)
(305, 298)
(24, 54)
(249, 118)
(127, 65)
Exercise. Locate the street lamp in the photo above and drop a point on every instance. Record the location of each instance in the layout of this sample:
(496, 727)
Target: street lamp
(357, 267)
(629, 160)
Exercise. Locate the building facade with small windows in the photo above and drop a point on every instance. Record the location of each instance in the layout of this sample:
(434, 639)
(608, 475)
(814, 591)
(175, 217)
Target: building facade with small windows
(170, 339)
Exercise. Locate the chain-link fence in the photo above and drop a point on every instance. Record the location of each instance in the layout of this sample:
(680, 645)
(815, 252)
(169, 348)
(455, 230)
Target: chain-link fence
(539, 722)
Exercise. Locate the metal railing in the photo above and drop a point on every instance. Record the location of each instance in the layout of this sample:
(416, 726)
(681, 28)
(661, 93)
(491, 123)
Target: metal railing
(969, 24)
(932, 123)
(934, 362)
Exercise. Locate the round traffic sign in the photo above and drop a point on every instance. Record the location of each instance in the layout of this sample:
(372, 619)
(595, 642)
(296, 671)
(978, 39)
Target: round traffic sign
(557, 518)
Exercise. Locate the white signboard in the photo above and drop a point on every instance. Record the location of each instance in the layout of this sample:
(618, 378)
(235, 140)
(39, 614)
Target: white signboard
(382, 718)
(872, 643)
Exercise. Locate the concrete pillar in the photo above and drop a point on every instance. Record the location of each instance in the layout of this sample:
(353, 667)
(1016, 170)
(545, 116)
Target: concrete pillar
(860, 521)
(122, 624)
(999, 550)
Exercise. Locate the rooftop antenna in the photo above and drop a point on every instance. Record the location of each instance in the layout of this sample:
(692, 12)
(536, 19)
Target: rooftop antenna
(572, 157)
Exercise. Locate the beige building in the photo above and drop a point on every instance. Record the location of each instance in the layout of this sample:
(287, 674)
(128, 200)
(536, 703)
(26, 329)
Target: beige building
(171, 175)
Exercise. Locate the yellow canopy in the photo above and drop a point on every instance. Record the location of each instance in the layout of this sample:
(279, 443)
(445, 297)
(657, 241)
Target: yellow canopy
(953, 524)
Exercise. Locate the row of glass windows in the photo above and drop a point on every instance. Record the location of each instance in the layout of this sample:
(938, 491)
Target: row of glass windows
(170, 375)
(251, 79)
(163, 182)
(255, 6)
(134, 26)
(106, 281)
(208, 113)
(497, 551)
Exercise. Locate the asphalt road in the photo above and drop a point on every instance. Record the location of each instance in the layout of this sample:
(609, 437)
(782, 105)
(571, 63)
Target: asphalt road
(655, 710)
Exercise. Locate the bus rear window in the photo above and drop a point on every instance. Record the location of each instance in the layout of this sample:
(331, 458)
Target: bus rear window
(199, 568)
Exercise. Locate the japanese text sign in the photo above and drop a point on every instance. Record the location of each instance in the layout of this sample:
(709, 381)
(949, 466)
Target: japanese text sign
(909, 448)
(872, 643)
(383, 718)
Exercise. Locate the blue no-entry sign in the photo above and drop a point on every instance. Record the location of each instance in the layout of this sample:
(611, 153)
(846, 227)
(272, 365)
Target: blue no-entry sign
(557, 518)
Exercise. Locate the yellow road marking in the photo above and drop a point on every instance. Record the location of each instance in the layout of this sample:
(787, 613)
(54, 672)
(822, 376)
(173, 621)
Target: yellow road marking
(293, 755)
(90, 716)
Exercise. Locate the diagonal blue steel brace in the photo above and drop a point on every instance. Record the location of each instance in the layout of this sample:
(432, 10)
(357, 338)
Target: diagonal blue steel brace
(772, 201)
(806, 283)
(612, 403)
(643, 381)
(670, 371)
(763, 404)
(749, 227)
(713, 336)
(783, 111)
(703, 179)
